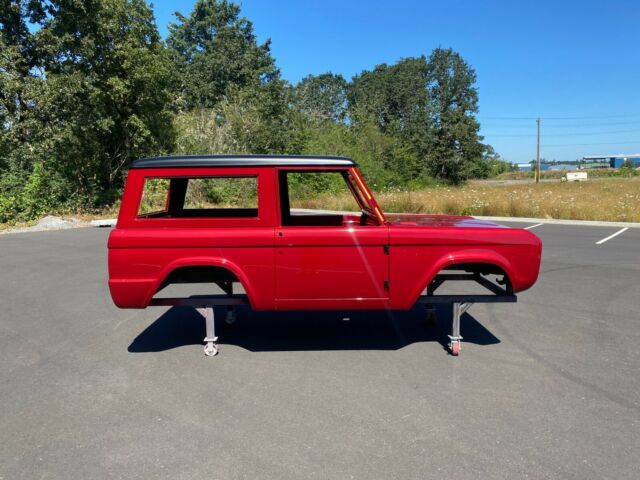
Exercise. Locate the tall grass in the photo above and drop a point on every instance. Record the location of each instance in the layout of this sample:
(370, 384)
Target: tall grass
(558, 174)
(608, 200)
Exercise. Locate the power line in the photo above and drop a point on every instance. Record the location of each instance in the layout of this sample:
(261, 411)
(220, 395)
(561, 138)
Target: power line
(614, 132)
(637, 142)
(560, 121)
(544, 117)
(568, 125)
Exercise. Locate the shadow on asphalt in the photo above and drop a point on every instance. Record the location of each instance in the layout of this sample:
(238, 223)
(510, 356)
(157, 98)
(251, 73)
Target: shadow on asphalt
(306, 331)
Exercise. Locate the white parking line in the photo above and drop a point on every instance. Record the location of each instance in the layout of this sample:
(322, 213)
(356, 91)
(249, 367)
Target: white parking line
(533, 226)
(611, 236)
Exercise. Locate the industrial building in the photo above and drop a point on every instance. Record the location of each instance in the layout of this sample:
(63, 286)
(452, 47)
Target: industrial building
(614, 161)
(529, 167)
(563, 166)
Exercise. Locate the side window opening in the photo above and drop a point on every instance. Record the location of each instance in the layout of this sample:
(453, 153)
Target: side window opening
(200, 197)
(155, 197)
(316, 198)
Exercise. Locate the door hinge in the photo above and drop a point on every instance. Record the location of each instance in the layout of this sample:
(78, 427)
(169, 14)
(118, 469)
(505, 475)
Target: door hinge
(385, 248)
(386, 285)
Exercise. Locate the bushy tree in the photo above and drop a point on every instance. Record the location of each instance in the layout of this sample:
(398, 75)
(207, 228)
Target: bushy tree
(454, 101)
(18, 82)
(395, 98)
(245, 121)
(88, 85)
(628, 163)
(214, 49)
(322, 97)
(496, 164)
(107, 95)
(26, 188)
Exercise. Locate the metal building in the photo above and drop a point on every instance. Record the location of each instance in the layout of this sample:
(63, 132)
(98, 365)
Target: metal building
(530, 167)
(614, 161)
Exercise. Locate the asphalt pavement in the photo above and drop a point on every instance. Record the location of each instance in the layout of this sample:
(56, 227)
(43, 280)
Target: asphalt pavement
(545, 388)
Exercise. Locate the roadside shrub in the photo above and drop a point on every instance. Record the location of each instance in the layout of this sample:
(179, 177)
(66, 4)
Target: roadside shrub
(25, 195)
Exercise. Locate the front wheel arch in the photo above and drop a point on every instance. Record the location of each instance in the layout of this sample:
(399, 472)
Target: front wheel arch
(497, 264)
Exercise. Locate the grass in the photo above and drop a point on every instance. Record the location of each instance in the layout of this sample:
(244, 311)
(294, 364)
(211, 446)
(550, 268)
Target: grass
(613, 199)
(557, 174)
(610, 199)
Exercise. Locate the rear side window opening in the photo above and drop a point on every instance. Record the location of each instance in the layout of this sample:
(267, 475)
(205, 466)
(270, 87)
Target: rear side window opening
(200, 197)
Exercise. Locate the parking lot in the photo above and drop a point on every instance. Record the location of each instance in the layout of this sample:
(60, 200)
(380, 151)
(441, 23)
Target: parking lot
(545, 388)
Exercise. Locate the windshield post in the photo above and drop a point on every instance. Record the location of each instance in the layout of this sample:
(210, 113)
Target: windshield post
(366, 195)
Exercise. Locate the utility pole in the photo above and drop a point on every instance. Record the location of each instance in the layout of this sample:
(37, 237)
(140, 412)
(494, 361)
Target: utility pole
(538, 153)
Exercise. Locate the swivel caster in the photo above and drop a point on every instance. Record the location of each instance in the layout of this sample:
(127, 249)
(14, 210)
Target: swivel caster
(455, 347)
(230, 318)
(210, 349)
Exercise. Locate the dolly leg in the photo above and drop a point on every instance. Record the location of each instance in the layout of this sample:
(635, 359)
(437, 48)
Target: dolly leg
(210, 341)
(455, 338)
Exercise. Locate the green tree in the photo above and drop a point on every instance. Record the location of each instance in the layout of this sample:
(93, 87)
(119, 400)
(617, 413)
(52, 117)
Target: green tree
(395, 98)
(14, 15)
(245, 121)
(17, 81)
(108, 95)
(80, 96)
(495, 164)
(23, 130)
(322, 97)
(454, 101)
(628, 163)
(214, 49)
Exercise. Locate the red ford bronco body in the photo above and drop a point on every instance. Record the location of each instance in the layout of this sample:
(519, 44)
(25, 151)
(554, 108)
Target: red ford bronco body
(234, 219)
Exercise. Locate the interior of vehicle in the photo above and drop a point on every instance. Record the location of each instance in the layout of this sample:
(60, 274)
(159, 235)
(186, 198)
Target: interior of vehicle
(305, 196)
(206, 197)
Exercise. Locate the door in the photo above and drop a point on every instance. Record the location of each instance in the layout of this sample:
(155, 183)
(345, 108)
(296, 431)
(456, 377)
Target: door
(326, 259)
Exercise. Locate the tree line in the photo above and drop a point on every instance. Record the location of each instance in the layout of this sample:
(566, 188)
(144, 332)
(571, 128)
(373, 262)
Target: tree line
(86, 86)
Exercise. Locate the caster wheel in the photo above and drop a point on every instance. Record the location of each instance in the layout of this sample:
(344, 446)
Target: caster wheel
(455, 348)
(211, 349)
(230, 318)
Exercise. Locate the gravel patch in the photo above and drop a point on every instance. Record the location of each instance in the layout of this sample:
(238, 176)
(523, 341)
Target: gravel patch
(50, 222)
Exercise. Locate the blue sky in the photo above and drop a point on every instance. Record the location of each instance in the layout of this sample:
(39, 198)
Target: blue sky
(574, 64)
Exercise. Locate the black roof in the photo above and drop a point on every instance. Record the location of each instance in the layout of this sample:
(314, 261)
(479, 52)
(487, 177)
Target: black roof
(242, 161)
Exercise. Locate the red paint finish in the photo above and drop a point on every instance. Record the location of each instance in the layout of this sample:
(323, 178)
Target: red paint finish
(347, 263)
(385, 263)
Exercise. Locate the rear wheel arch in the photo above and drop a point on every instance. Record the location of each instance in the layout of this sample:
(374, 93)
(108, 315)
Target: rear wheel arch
(202, 270)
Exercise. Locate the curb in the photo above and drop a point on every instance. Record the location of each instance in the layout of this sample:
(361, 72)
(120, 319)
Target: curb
(111, 222)
(108, 222)
(555, 221)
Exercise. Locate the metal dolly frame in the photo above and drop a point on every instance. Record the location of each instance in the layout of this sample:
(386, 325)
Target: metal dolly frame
(204, 306)
(461, 303)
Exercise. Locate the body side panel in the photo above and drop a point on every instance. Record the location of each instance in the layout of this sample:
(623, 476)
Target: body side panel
(418, 254)
(328, 267)
(331, 272)
(136, 272)
(143, 251)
